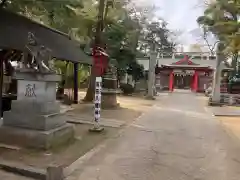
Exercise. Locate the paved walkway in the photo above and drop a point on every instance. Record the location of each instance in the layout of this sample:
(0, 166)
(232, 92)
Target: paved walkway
(176, 140)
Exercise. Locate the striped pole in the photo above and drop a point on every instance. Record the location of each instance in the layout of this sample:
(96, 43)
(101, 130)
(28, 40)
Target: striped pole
(97, 106)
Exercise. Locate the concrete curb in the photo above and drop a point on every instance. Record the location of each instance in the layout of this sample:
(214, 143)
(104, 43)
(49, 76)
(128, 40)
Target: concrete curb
(225, 115)
(27, 171)
(119, 125)
(80, 161)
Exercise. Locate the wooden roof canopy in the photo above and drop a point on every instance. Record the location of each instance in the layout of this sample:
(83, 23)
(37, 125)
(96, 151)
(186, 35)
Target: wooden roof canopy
(186, 62)
(14, 30)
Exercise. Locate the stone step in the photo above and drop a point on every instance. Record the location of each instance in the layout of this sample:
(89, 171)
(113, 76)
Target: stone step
(90, 120)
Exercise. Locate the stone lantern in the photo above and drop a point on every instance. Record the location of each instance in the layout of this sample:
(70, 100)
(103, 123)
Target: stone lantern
(110, 87)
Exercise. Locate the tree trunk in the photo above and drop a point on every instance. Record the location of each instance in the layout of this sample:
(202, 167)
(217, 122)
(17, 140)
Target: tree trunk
(91, 86)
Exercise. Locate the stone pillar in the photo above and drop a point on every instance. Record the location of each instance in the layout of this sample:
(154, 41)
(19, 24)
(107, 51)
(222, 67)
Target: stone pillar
(216, 92)
(35, 120)
(151, 75)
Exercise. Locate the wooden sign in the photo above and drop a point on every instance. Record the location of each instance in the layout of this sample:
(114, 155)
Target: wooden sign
(177, 71)
(190, 71)
(201, 73)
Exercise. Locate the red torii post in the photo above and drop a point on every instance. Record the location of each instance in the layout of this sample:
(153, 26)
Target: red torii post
(171, 81)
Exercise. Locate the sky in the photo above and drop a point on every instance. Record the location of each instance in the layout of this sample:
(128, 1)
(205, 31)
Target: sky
(181, 15)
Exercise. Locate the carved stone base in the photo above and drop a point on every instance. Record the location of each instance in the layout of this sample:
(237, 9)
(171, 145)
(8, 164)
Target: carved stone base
(214, 103)
(36, 139)
(150, 98)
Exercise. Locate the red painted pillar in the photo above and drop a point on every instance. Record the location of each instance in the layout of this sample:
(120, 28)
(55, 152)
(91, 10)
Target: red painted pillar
(195, 81)
(171, 78)
(192, 82)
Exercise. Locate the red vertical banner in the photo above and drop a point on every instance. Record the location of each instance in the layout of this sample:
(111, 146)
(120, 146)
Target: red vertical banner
(100, 61)
(195, 81)
(98, 66)
(171, 79)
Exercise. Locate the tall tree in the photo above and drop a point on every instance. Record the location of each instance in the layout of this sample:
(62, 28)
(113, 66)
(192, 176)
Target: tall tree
(102, 14)
(157, 33)
(221, 18)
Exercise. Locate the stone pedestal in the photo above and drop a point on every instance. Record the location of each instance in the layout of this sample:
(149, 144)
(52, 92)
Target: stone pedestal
(109, 99)
(35, 120)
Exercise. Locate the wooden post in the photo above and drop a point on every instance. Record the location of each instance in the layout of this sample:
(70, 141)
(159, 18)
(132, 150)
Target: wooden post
(75, 83)
(1, 85)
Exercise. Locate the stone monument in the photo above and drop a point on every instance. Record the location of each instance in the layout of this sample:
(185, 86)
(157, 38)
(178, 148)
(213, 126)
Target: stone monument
(35, 120)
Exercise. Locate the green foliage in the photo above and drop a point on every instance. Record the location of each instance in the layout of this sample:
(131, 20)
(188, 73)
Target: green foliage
(127, 88)
(66, 70)
(156, 33)
(126, 27)
(221, 19)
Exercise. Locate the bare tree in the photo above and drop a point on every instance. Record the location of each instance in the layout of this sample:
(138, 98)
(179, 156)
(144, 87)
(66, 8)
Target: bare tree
(206, 38)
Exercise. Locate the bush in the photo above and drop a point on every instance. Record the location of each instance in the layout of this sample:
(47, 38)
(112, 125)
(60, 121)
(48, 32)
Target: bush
(127, 88)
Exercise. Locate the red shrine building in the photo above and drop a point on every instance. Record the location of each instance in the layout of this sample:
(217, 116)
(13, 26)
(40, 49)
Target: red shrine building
(183, 71)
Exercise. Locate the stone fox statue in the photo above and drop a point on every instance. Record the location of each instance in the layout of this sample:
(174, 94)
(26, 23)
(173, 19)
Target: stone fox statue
(40, 55)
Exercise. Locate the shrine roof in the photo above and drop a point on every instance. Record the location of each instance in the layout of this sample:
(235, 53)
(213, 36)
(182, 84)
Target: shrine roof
(186, 66)
(185, 61)
(178, 62)
(14, 32)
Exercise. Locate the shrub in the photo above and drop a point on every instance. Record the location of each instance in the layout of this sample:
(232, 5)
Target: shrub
(127, 88)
